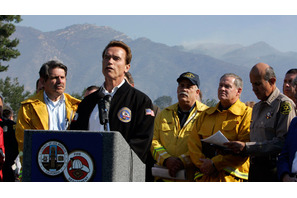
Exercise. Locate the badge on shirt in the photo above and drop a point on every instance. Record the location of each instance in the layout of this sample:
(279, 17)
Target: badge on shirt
(285, 108)
(269, 115)
(124, 114)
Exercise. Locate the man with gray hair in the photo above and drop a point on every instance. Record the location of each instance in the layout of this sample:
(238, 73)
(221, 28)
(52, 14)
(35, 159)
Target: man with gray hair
(232, 118)
(50, 108)
(271, 118)
(173, 125)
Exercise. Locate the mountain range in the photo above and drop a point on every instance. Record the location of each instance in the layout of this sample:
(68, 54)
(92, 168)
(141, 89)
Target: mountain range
(155, 66)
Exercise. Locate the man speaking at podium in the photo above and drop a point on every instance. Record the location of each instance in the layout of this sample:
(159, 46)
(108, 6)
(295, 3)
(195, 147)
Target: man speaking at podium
(130, 110)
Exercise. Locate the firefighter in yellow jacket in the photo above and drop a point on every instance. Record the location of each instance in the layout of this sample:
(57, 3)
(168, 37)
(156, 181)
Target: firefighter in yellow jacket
(50, 108)
(230, 116)
(173, 126)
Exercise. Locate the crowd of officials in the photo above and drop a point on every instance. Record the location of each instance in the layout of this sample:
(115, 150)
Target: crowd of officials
(261, 136)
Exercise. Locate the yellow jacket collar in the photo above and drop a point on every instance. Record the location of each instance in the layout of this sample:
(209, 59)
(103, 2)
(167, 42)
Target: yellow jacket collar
(238, 108)
(37, 102)
(199, 107)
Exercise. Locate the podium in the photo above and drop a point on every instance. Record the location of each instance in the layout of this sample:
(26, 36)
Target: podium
(79, 156)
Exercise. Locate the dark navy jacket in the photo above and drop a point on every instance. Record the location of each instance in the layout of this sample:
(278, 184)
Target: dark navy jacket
(287, 155)
(136, 128)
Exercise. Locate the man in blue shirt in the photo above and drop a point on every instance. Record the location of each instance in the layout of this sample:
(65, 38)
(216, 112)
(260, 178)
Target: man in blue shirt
(49, 109)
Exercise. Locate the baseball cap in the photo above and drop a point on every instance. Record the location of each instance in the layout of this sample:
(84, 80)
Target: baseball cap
(194, 78)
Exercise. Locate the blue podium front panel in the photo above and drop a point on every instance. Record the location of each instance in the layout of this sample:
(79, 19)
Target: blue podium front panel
(66, 156)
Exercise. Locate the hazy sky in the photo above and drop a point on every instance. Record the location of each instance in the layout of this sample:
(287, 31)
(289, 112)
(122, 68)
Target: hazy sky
(279, 31)
(171, 22)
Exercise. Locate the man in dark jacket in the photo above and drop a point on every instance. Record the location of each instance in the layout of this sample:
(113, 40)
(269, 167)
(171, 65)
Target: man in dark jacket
(10, 144)
(130, 110)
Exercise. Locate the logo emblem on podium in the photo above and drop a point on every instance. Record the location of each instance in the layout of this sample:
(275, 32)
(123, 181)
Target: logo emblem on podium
(80, 167)
(52, 158)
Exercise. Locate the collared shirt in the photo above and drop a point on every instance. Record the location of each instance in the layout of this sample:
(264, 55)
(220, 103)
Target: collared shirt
(183, 115)
(94, 121)
(56, 113)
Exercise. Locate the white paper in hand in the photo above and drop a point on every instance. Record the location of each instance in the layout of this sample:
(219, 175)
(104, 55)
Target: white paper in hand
(218, 138)
(160, 171)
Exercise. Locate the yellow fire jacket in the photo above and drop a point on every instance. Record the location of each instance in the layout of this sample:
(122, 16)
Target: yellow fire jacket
(234, 123)
(170, 140)
(33, 115)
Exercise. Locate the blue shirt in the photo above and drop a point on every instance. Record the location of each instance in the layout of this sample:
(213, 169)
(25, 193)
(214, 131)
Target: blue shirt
(56, 113)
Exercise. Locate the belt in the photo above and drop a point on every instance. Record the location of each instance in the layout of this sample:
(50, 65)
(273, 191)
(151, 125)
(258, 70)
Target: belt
(263, 159)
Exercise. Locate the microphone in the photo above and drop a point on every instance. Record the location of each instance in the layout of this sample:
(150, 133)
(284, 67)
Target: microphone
(107, 100)
(104, 105)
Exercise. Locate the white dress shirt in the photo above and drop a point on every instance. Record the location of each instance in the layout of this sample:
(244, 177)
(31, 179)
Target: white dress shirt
(94, 121)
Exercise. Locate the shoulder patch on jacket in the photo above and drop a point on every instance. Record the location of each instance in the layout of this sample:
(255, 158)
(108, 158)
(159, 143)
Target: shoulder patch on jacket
(285, 108)
(149, 112)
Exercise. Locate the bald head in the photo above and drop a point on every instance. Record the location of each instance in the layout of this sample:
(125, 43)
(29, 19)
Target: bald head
(263, 80)
(259, 69)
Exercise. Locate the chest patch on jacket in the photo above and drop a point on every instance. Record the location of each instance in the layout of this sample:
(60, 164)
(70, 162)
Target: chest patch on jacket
(125, 114)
